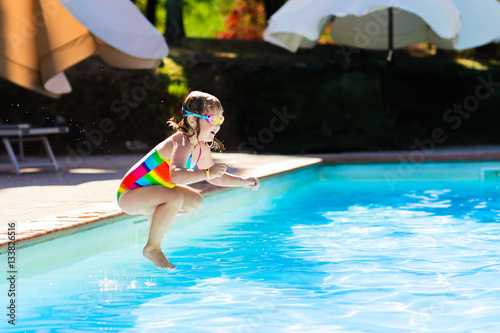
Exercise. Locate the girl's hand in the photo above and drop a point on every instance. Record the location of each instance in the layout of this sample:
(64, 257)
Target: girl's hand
(217, 170)
(251, 182)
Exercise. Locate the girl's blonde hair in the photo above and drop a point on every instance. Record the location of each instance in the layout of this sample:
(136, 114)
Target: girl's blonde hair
(200, 103)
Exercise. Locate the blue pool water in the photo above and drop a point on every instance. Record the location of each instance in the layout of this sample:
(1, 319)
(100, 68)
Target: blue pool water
(329, 256)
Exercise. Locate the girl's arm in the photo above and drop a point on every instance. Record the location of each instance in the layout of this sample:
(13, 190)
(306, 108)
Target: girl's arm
(229, 180)
(226, 179)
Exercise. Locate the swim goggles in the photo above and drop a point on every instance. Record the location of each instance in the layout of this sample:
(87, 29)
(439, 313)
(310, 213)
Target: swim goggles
(212, 119)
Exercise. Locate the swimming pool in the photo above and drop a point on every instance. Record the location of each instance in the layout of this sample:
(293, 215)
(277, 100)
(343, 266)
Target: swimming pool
(373, 248)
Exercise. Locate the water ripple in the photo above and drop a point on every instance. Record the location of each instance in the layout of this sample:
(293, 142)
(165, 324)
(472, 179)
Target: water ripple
(365, 259)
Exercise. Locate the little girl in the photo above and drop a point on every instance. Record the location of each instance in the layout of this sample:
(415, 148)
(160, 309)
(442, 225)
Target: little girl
(156, 186)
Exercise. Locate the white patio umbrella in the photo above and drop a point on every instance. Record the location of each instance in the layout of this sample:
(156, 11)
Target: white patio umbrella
(448, 24)
(39, 39)
(480, 23)
(364, 23)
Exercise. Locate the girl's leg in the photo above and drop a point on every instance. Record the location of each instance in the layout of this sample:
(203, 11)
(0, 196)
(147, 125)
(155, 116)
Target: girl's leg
(161, 204)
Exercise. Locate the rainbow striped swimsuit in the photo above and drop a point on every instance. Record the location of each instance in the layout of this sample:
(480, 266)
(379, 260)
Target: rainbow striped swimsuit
(154, 170)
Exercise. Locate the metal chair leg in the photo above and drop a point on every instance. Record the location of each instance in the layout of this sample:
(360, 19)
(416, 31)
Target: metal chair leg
(12, 155)
(49, 151)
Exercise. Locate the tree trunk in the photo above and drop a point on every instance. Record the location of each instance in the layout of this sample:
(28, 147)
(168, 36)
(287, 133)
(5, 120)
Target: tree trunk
(272, 6)
(174, 31)
(151, 11)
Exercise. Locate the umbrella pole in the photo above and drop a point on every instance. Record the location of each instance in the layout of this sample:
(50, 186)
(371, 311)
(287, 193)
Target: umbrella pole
(390, 58)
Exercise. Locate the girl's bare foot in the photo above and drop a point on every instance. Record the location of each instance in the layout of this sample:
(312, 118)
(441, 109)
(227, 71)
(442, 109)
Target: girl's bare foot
(157, 257)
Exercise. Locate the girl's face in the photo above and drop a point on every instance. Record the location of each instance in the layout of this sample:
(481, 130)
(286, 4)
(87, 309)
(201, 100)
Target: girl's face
(207, 130)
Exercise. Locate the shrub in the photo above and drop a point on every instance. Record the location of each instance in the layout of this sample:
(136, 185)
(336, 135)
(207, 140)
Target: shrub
(246, 20)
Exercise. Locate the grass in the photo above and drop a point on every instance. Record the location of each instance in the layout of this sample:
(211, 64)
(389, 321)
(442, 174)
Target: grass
(472, 64)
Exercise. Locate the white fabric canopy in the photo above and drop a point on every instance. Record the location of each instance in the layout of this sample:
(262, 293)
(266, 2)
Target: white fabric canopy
(449, 24)
(121, 25)
(39, 39)
(480, 23)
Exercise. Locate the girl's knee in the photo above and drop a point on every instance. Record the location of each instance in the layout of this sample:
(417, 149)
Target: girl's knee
(175, 198)
(197, 201)
(194, 202)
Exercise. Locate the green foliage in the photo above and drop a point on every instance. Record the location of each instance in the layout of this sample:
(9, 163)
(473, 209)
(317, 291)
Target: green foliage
(202, 18)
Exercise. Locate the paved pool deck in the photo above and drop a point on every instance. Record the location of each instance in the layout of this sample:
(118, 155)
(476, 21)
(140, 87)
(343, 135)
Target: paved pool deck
(44, 203)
